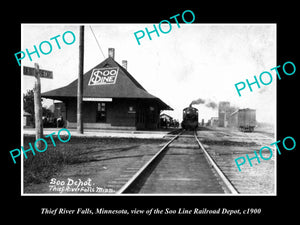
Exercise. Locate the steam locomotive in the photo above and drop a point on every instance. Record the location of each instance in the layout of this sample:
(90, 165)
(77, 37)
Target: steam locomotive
(190, 118)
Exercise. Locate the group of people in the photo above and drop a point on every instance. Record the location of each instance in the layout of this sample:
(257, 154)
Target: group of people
(53, 122)
(164, 123)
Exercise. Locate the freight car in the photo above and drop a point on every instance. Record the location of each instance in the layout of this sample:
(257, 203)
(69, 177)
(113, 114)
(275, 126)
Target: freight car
(190, 118)
(243, 119)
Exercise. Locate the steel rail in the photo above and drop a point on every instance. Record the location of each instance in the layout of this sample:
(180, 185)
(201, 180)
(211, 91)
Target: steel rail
(227, 182)
(139, 173)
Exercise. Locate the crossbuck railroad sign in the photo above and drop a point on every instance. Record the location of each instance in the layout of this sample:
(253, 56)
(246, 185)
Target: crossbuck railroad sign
(29, 71)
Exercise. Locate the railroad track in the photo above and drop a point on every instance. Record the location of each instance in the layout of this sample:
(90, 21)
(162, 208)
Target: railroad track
(183, 166)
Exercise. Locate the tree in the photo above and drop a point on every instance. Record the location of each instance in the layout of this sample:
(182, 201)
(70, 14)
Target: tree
(28, 105)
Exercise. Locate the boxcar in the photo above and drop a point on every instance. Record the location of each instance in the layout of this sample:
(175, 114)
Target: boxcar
(243, 119)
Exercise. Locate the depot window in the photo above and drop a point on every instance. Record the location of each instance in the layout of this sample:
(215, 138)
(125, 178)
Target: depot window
(101, 112)
(131, 109)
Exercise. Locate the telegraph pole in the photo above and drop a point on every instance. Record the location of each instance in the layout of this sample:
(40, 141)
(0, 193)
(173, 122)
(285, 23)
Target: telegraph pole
(80, 81)
(38, 105)
(38, 74)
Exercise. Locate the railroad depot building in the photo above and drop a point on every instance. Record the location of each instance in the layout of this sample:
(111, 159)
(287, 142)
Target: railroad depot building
(112, 99)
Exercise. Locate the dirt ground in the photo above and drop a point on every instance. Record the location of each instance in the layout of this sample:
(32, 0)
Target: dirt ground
(226, 145)
(92, 163)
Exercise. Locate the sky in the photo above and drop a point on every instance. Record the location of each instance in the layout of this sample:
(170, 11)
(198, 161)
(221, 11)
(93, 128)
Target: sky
(191, 62)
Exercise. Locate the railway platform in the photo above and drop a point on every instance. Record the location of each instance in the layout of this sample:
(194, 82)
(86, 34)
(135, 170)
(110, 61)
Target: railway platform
(106, 133)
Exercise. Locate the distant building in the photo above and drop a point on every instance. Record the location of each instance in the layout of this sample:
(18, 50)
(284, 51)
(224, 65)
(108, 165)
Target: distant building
(165, 120)
(26, 119)
(224, 113)
(166, 117)
(214, 121)
(112, 99)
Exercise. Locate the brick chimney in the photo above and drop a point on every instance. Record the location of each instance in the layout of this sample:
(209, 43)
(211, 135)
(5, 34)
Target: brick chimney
(111, 53)
(124, 64)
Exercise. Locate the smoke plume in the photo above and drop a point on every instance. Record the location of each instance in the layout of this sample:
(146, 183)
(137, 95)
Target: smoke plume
(212, 105)
(197, 102)
(208, 103)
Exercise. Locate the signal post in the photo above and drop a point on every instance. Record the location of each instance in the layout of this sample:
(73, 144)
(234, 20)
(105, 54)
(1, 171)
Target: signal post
(37, 73)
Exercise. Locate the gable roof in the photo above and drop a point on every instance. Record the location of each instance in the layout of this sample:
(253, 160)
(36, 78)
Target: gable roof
(165, 115)
(125, 86)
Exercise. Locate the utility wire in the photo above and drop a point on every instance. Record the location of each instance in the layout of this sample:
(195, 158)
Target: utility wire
(97, 41)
